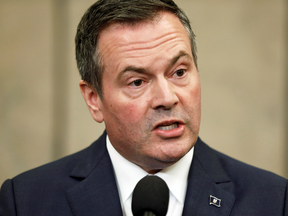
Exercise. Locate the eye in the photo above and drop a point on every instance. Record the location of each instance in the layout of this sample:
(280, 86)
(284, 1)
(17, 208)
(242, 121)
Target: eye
(179, 73)
(137, 82)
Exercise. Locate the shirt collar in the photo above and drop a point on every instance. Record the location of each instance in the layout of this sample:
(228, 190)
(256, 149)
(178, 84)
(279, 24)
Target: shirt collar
(128, 174)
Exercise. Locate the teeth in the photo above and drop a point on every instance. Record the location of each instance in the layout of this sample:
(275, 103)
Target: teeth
(168, 127)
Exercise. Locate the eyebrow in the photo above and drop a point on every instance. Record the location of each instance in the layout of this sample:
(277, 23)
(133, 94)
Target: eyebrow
(143, 70)
(177, 57)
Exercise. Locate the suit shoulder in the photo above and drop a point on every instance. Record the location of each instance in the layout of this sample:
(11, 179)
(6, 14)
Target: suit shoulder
(56, 169)
(239, 171)
(62, 168)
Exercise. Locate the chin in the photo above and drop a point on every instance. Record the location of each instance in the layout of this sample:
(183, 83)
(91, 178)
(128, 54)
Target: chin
(175, 152)
(172, 157)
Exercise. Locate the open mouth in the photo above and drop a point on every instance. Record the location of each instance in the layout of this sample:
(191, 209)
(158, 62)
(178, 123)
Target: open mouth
(168, 127)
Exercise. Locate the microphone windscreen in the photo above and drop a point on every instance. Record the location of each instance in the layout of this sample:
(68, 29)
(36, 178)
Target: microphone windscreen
(151, 194)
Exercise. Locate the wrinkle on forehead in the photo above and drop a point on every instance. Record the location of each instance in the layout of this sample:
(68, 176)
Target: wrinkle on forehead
(119, 42)
(172, 37)
(132, 42)
(130, 37)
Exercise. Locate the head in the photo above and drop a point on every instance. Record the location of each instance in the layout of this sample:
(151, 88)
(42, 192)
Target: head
(103, 13)
(150, 97)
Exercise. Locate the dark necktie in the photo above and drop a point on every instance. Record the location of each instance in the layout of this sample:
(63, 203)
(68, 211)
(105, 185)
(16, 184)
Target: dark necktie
(150, 197)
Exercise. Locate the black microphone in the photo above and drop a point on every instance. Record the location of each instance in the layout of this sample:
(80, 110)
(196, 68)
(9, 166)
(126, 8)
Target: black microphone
(150, 197)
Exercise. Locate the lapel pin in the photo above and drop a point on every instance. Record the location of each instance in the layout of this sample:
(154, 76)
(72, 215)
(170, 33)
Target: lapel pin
(215, 201)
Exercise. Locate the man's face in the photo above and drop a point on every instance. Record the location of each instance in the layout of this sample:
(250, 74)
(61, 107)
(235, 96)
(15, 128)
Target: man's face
(151, 102)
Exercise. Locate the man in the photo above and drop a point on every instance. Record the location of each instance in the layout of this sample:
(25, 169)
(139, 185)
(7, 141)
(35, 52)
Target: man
(138, 63)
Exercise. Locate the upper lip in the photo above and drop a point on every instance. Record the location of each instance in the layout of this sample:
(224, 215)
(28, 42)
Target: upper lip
(167, 122)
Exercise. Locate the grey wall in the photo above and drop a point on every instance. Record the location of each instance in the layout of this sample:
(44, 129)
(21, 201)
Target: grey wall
(242, 59)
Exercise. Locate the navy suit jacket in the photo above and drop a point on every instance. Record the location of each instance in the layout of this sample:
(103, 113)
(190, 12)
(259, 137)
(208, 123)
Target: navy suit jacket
(84, 184)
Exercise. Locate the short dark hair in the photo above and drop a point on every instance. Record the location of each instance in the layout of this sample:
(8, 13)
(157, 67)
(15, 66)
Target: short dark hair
(105, 12)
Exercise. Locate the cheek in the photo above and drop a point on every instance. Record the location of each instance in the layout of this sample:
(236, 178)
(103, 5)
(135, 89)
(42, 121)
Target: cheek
(196, 91)
(191, 100)
(127, 112)
(193, 92)
(134, 112)
(196, 97)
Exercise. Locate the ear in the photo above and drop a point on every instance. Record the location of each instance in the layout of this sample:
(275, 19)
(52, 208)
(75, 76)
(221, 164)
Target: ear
(92, 100)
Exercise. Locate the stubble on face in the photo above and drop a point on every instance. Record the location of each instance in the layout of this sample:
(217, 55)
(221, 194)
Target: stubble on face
(146, 144)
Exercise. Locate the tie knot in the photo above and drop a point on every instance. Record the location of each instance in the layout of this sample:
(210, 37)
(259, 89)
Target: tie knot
(150, 197)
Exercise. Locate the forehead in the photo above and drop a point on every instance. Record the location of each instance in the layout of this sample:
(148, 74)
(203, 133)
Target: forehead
(165, 32)
(164, 20)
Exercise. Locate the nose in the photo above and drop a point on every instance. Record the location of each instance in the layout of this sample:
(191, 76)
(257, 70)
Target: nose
(164, 95)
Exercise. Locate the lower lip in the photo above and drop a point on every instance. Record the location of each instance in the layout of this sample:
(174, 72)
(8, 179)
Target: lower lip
(176, 132)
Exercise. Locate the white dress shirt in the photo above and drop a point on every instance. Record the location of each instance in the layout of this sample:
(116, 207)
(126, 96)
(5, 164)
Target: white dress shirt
(129, 174)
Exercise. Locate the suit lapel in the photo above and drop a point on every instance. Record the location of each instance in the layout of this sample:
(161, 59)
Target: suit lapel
(96, 193)
(207, 177)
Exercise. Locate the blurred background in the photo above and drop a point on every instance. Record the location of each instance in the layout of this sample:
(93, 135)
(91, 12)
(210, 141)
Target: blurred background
(242, 49)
